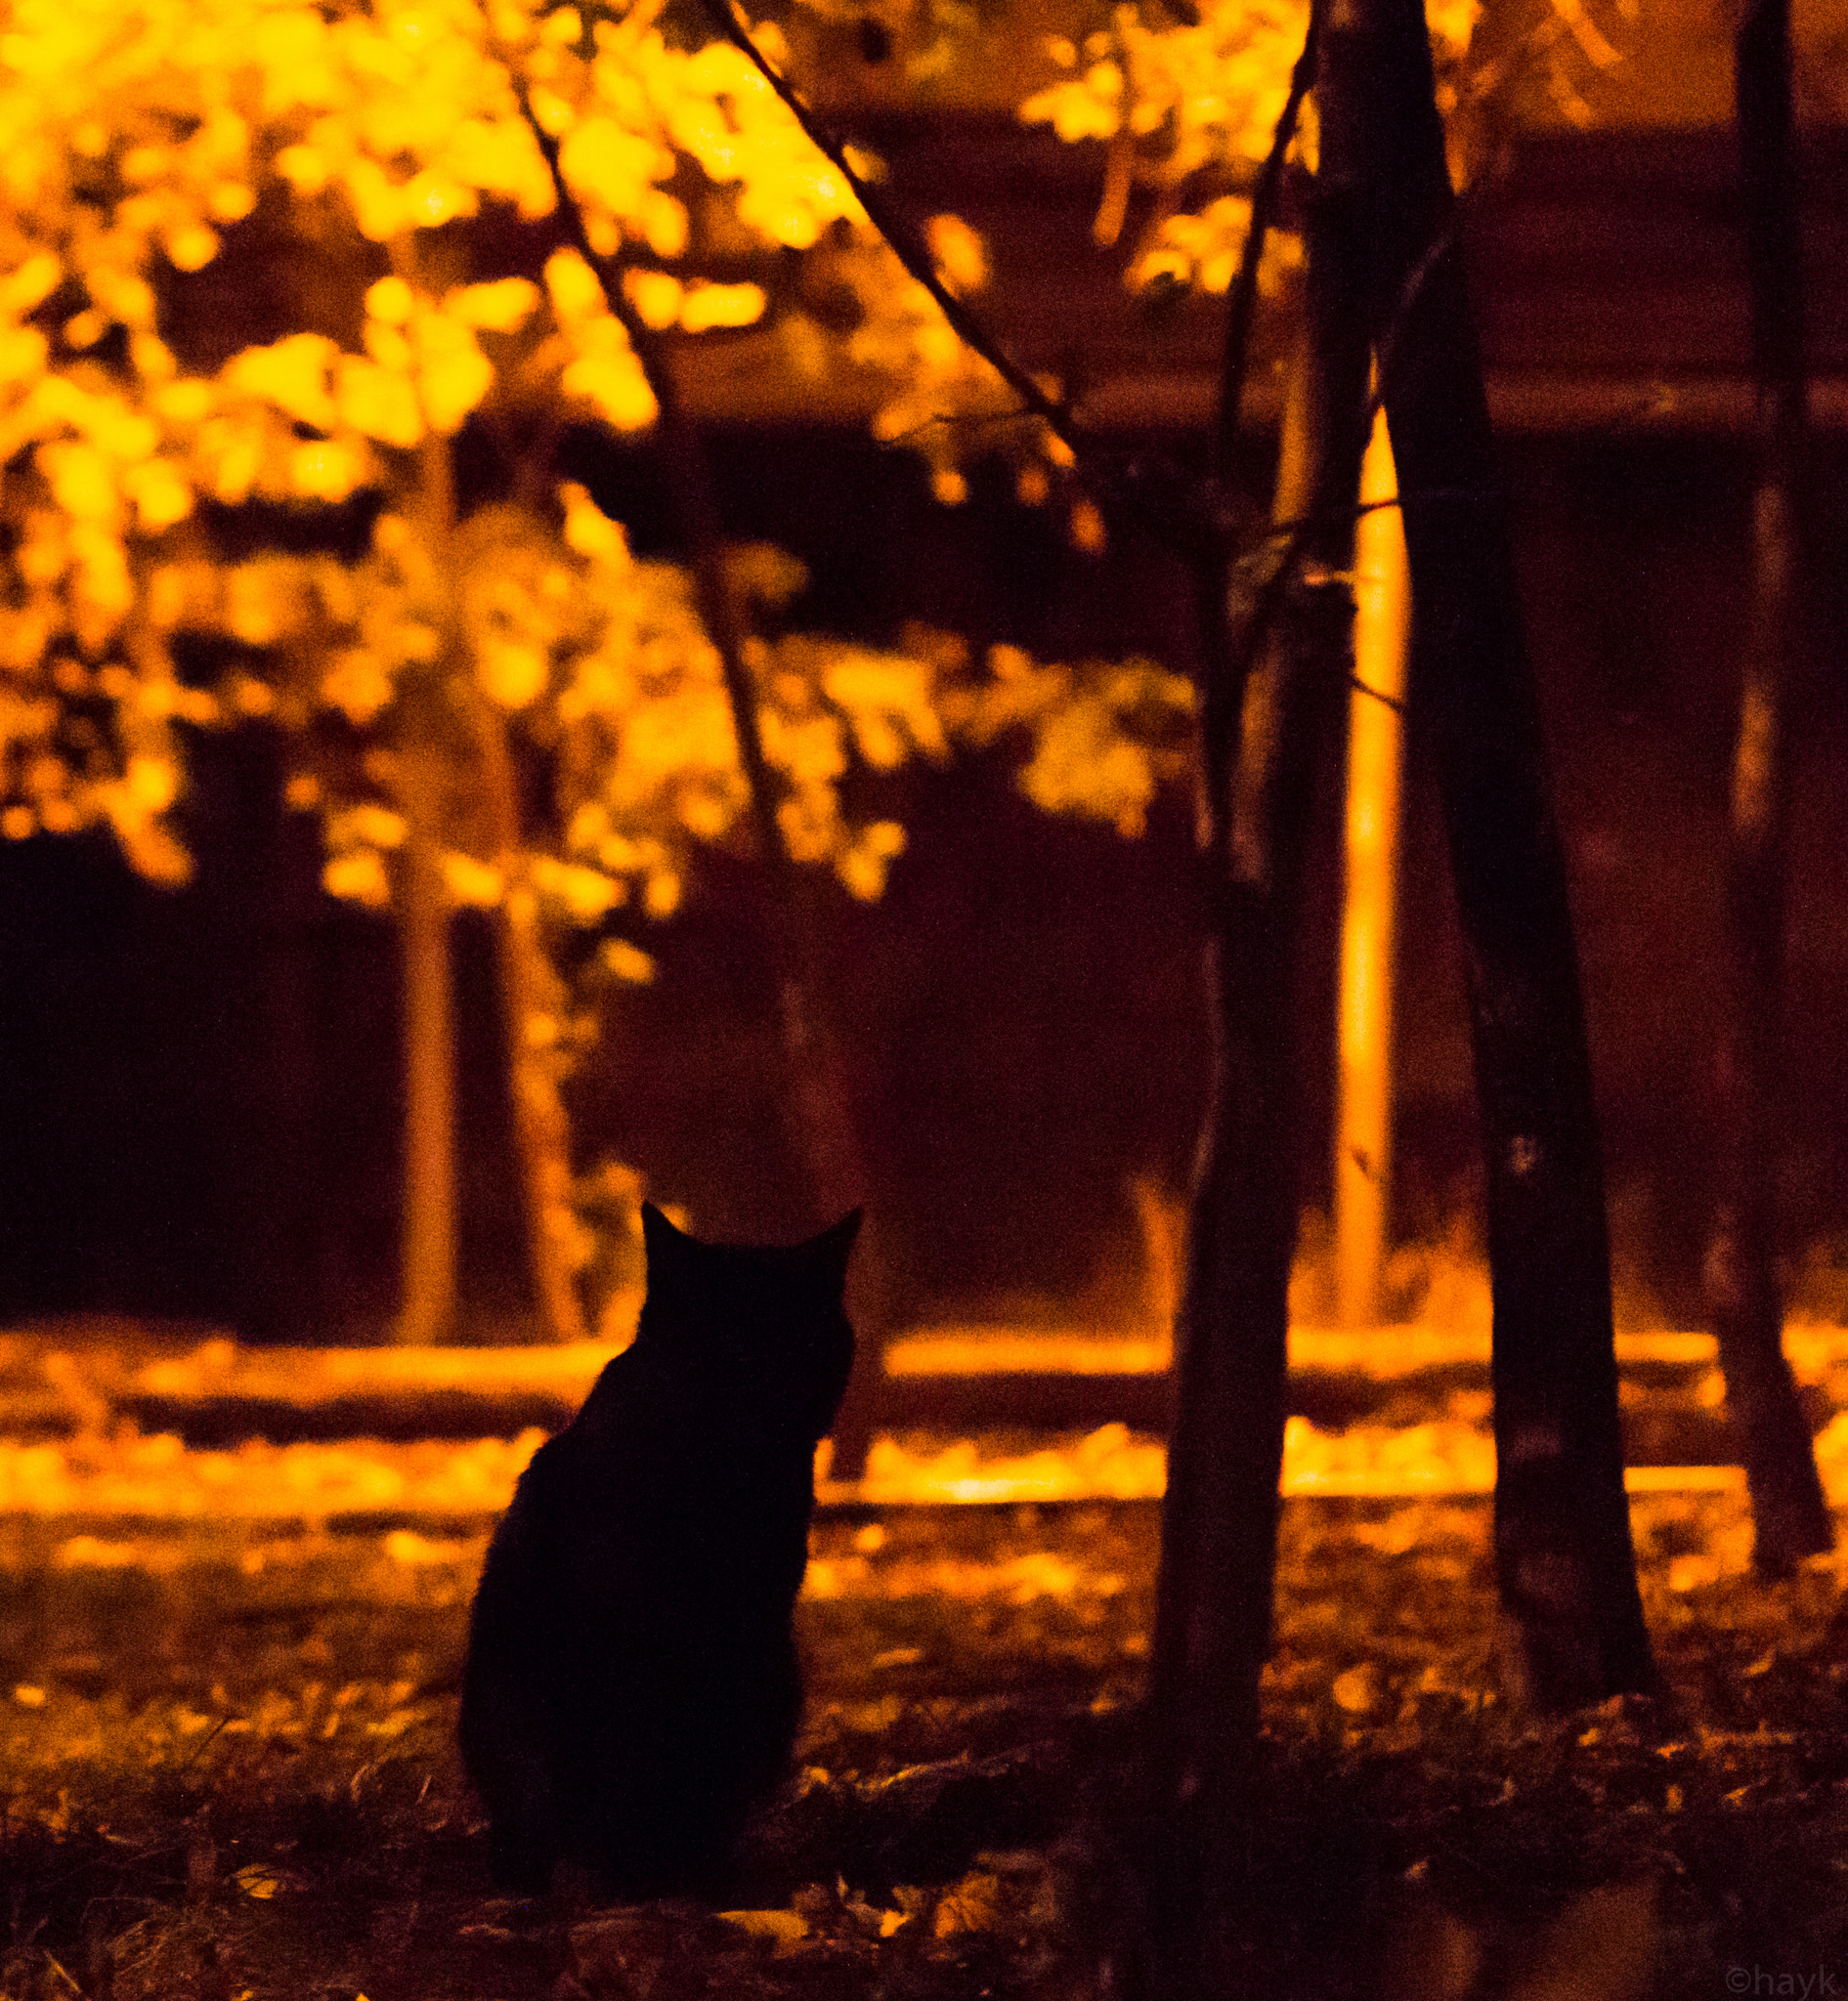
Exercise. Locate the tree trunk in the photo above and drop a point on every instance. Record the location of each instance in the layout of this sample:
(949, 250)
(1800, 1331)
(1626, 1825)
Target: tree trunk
(1573, 1621)
(540, 1133)
(1383, 273)
(1745, 1302)
(1363, 1117)
(542, 1130)
(818, 1114)
(1219, 1512)
(428, 1314)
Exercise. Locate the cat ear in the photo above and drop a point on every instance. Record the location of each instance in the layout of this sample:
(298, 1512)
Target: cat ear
(831, 1249)
(660, 1237)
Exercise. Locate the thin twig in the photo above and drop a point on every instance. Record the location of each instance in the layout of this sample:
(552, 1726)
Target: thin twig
(1196, 528)
(1242, 304)
(203, 1743)
(58, 1968)
(1397, 703)
(1257, 627)
(1283, 531)
(902, 234)
(1156, 496)
(1386, 347)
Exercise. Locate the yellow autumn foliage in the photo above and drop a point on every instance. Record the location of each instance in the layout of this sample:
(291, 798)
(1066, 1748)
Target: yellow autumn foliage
(1195, 100)
(379, 401)
(148, 138)
(706, 306)
(472, 883)
(501, 305)
(291, 374)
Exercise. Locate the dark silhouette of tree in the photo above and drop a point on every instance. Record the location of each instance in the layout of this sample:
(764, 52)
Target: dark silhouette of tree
(1744, 1295)
(1385, 286)
(1277, 631)
(1564, 1565)
(1385, 278)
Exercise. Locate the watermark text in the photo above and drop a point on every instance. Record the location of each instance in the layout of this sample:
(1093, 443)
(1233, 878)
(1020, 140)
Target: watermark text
(1819, 1984)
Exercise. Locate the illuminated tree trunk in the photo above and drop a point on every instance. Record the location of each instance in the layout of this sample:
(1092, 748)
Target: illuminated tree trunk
(542, 1130)
(428, 1313)
(1364, 1120)
(1745, 1302)
(541, 1133)
(1573, 1621)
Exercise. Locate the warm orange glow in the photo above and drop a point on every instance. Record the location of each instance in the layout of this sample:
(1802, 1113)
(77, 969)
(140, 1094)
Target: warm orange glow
(1378, 1353)
(108, 1473)
(158, 1479)
(1382, 629)
(304, 1376)
(1000, 1351)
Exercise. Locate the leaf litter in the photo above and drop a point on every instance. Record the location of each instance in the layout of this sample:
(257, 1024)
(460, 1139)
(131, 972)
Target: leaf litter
(229, 1770)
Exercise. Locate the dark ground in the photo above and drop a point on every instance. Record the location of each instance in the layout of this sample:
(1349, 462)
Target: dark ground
(229, 1772)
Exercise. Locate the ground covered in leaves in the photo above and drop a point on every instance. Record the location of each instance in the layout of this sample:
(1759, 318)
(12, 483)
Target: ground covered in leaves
(228, 1772)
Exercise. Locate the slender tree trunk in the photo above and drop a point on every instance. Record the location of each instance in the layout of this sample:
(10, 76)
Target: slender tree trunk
(1219, 1512)
(428, 1313)
(817, 1107)
(1564, 1566)
(1383, 271)
(826, 1146)
(541, 1135)
(1363, 1117)
(818, 1114)
(542, 1130)
(1744, 1300)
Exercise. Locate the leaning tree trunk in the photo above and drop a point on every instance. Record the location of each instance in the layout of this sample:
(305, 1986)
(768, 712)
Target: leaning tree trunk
(817, 1107)
(817, 1116)
(1573, 1620)
(1744, 1298)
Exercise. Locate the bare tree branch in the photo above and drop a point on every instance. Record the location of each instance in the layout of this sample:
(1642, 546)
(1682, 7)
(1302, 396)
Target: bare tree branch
(902, 234)
(1242, 303)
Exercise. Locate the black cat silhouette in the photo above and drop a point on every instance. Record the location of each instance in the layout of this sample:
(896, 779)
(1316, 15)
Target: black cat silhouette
(633, 1684)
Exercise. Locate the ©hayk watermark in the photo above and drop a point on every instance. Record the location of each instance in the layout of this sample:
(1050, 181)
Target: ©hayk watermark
(1818, 1985)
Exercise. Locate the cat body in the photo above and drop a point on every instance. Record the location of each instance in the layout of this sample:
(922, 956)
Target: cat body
(632, 1682)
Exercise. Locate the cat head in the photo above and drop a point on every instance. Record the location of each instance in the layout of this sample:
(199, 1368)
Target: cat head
(769, 1316)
